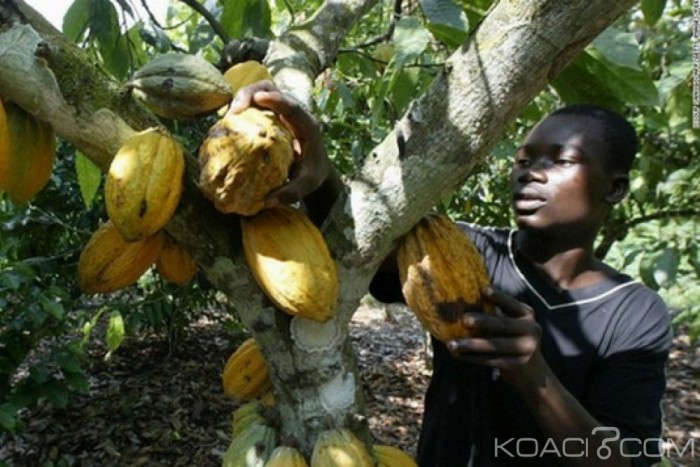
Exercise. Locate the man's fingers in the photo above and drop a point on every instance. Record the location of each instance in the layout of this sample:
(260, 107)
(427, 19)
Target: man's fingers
(492, 325)
(507, 304)
(244, 97)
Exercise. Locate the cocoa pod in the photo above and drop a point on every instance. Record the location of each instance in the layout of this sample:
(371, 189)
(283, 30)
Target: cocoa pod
(438, 264)
(180, 86)
(243, 158)
(245, 375)
(291, 262)
(175, 264)
(340, 448)
(27, 153)
(144, 183)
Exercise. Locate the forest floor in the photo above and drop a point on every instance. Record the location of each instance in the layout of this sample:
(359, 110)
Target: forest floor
(148, 406)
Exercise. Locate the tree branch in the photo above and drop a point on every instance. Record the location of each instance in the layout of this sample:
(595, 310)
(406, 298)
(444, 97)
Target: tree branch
(215, 25)
(617, 230)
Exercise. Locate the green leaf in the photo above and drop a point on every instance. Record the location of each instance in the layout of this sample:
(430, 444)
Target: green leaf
(115, 331)
(52, 307)
(619, 47)
(89, 177)
(594, 79)
(652, 10)
(446, 20)
(57, 393)
(8, 417)
(246, 18)
(76, 20)
(660, 268)
(104, 22)
(410, 39)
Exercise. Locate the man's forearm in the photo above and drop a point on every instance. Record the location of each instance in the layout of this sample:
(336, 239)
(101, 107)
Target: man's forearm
(562, 418)
(319, 203)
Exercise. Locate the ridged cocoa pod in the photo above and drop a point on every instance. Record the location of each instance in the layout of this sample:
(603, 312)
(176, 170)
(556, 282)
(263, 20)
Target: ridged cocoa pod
(390, 456)
(245, 375)
(109, 263)
(175, 264)
(286, 456)
(245, 73)
(251, 447)
(340, 448)
(177, 85)
(291, 262)
(243, 158)
(144, 183)
(438, 264)
(27, 153)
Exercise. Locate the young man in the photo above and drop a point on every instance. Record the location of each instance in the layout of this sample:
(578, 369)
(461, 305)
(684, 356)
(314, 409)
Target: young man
(570, 370)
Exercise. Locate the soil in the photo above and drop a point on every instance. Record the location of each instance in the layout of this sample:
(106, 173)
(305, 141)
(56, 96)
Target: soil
(148, 406)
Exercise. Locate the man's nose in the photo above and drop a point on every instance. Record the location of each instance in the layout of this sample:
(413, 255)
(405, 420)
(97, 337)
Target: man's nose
(536, 172)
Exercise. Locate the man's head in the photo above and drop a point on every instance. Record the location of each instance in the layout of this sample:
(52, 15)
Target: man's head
(616, 131)
(572, 167)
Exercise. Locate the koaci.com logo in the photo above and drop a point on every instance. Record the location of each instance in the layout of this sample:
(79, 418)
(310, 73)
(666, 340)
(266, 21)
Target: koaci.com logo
(579, 447)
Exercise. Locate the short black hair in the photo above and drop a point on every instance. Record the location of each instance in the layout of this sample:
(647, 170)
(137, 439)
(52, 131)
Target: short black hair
(618, 133)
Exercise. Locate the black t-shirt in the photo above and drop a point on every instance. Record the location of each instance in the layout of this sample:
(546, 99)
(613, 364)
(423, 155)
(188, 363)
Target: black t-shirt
(607, 344)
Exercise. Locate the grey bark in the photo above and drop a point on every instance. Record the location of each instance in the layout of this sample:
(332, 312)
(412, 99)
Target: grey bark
(517, 49)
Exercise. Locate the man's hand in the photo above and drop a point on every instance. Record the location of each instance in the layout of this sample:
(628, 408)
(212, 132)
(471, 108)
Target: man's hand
(508, 340)
(312, 166)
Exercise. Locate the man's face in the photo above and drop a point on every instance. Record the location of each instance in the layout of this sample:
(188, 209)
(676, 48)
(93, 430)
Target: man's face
(559, 180)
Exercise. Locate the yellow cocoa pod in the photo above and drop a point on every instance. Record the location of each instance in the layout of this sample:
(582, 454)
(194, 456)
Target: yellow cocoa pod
(245, 73)
(243, 158)
(286, 456)
(390, 456)
(144, 183)
(27, 152)
(177, 85)
(340, 448)
(245, 375)
(175, 264)
(438, 264)
(109, 263)
(251, 447)
(291, 262)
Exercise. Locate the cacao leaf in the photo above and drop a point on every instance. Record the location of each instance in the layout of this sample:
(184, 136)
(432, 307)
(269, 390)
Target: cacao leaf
(652, 10)
(446, 20)
(76, 20)
(246, 18)
(89, 178)
(619, 47)
(410, 39)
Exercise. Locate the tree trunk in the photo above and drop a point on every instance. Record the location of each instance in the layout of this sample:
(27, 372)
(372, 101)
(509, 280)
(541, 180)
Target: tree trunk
(518, 48)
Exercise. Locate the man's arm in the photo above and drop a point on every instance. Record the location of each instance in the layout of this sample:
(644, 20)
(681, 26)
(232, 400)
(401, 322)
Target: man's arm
(511, 343)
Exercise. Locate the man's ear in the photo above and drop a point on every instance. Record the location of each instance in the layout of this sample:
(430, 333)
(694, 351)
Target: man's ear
(619, 187)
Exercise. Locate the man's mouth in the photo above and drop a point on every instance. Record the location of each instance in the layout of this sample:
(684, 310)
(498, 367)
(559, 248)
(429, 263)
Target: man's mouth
(527, 201)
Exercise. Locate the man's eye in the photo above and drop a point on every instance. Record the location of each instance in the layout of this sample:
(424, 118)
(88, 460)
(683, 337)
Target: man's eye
(564, 162)
(522, 162)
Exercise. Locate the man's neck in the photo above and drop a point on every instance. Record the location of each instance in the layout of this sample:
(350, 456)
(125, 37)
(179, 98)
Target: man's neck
(566, 262)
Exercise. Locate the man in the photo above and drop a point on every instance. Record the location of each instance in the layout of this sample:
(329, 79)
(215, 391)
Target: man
(570, 370)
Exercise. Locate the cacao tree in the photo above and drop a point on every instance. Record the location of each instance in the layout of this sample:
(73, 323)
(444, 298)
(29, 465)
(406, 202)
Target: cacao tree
(498, 57)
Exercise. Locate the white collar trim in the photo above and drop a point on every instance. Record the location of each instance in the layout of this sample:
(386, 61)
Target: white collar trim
(541, 298)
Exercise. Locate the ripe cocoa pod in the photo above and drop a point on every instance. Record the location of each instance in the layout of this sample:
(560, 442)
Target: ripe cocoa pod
(340, 448)
(251, 447)
(245, 73)
(438, 264)
(27, 152)
(291, 262)
(245, 375)
(286, 456)
(175, 264)
(177, 85)
(144, 183)
(109, 263)
(390, 456)
(243, 158)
